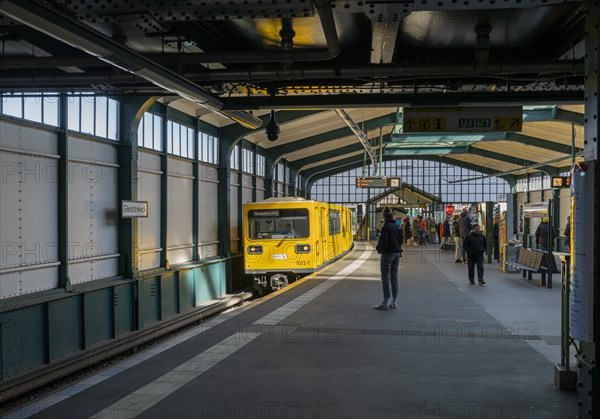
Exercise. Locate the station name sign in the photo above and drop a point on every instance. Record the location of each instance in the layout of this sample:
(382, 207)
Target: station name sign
(133, 209)
(463, 119)
(377, 182)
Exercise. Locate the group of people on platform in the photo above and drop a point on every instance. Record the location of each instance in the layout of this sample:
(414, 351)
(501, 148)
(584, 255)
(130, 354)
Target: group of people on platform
(393, 236)
(420, 231)
(470, 245)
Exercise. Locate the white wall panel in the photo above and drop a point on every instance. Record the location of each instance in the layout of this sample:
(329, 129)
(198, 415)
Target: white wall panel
(178, 256)
(180, 167)
(28, 199)
(93, 220)
(208, 212)
(148, 161)
(179, 211)
(28, 209)
(86, 271)
(149, 261)
(246, 188)
(95, 151)
(180, 202)
(27, 281)
(208, 173)
(21, 137)
(149, 227)
(208, 250)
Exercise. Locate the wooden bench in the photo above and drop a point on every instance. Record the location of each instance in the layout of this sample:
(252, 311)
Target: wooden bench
(532, 261)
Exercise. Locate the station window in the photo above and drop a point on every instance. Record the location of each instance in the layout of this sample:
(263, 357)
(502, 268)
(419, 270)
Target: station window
(247, 161)
(150, 132)
(208, 148)
(94, 115)
(234, 161)
(180, 140)
(453, 183)
(37, 107)
(260, 165)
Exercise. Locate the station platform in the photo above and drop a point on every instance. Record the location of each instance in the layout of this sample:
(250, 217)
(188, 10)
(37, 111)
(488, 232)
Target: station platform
(318, 349)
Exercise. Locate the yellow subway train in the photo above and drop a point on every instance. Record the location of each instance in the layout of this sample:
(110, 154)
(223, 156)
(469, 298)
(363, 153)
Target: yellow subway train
(287, 238)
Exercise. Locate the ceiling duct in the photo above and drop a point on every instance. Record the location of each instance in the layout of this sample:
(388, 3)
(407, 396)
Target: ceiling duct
(362, 137)
(49, 21)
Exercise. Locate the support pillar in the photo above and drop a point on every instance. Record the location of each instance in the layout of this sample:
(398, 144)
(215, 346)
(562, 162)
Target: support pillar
(131, 111)
(63, 195)
(588, 386)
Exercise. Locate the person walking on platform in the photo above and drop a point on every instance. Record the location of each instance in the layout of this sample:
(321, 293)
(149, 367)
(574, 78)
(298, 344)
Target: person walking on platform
(464, 223)
(389, 247)
(541, 235)
(475, 246)
(406, 229)
(415, 230)
(445, 233)
(422, 229)
(458, 248)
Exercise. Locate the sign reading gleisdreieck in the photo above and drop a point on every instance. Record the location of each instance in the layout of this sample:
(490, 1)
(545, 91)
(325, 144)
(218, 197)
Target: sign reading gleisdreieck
(130, 209)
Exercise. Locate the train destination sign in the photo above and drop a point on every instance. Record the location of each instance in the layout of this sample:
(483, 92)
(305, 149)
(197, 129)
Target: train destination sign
(377, 182)
(463, 119)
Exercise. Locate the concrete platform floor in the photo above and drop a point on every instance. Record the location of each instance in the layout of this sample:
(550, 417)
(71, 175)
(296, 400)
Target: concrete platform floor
(319, 350)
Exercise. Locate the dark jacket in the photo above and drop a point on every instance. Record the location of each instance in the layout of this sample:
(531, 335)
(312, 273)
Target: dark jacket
(446, 229)
(390, 240)
(475, 244)
(465, 225)
(541, 234)
(455, 229)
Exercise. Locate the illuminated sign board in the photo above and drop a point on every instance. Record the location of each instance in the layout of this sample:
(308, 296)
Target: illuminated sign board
(377, 182)
(561, 181)
(463, 119)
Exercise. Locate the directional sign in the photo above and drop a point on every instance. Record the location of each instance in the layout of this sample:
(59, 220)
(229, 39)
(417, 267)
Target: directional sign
(377, 182)
(463, 119)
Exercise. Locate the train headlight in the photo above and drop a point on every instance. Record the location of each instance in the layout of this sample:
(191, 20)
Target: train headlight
(303, 248)
(255, 249)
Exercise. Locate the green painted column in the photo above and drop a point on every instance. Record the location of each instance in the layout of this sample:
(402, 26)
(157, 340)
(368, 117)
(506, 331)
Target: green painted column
(270, 176)
(254, 171)
(164, 193)
(489, 230)
(131, 111)
(63, 194)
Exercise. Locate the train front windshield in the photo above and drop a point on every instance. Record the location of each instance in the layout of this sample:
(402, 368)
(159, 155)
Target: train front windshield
(278, 224)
